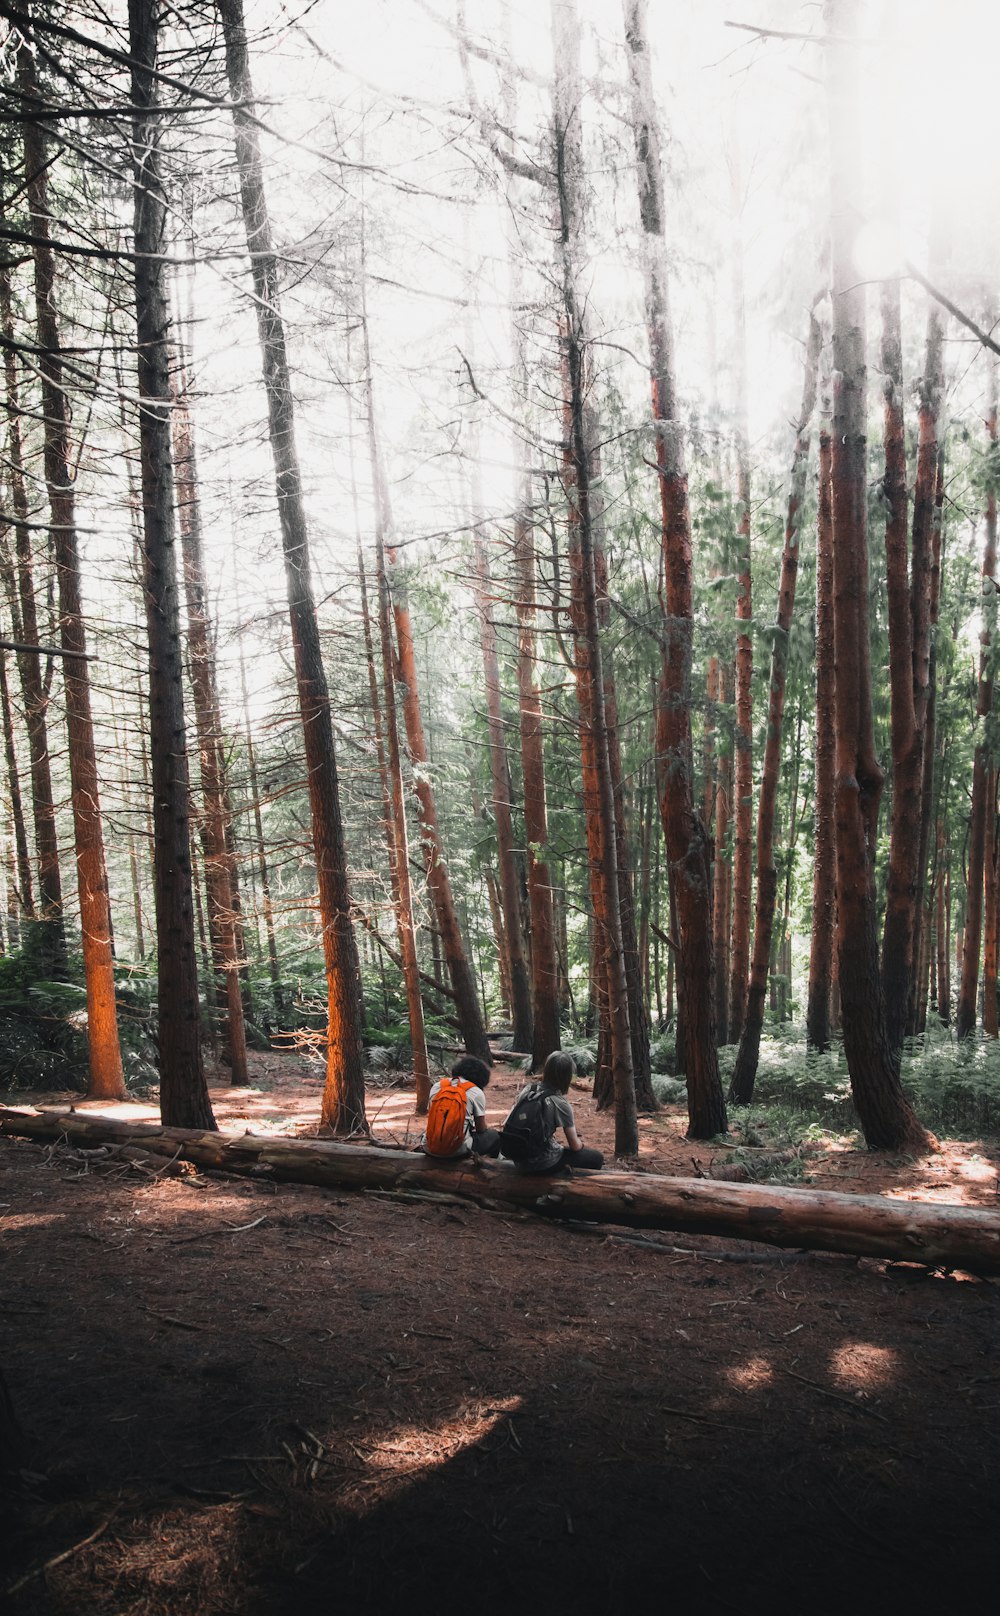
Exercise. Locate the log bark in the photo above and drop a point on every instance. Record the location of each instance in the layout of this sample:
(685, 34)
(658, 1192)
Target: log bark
(820, 1220)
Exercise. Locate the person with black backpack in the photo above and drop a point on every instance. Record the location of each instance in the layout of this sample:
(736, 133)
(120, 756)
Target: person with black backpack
(527, 1138)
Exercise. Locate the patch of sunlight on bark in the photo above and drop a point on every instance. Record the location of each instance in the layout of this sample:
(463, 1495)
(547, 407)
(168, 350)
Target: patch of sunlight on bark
(751, 1375)
(861, 1366)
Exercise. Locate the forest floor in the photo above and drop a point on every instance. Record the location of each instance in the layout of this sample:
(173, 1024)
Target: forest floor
(242, 1398)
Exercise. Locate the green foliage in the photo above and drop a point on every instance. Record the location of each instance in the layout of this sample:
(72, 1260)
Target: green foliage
(956, 1087)
(42, 1031)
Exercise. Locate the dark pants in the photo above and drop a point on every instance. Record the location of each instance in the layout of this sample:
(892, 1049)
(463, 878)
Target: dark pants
(584, 1157)
(486, 1143)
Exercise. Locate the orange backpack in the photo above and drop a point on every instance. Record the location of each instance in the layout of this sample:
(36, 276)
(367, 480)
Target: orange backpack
(445, 1132)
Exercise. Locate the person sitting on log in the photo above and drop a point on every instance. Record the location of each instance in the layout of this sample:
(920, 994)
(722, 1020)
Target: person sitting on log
(456, 1114)
(527, 1138)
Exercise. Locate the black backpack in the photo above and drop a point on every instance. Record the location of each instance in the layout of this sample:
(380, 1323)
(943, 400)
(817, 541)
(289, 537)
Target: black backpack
(527, 1132)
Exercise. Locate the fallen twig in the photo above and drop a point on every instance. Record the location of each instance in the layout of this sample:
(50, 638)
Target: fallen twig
(57, 1559)
(839, 1397)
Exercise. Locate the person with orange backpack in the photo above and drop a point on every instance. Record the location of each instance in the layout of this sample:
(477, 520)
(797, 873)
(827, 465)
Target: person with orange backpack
(456, 1114)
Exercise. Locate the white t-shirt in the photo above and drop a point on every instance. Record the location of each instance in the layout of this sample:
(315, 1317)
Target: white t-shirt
(475, 1106)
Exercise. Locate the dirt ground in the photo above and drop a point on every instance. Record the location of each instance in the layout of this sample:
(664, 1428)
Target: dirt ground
(243, 1398)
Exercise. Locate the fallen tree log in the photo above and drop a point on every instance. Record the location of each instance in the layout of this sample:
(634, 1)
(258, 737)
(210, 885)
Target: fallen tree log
(821, 1220)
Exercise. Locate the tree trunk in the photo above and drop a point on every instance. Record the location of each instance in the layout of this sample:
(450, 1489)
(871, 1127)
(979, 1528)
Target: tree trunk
(968, 991)
(184, 1100)
(344, 1094)
(467, 1005)
(745, 1071)
(925, 593)
(546, 1035)
(278, 993)
(106, 1080)
(50, 929)
(396, 829)
(578, 450)
(25, 897)
(520, 987)
(886, 1117)
(218, 862)
(722, 871)
(686, 837)
(821, 1220)
(742, 874)
(900, 930)
(984, 707)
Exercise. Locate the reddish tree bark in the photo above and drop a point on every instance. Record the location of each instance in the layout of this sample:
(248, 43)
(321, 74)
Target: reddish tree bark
(344, 1092)
(886, 1117)
(745, 1070)
(184, 1100)
(684, 831)
(106, 1079)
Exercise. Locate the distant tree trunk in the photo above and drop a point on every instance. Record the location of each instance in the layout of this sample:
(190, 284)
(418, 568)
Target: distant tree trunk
(925, 592)
(25, 897)
(988, 652)
(467, 1004)
(344, 1094)
(546, 1034)
(399, 847)
(745, 1071)
(106, 1080)
(982, 815)
(900, 930)
(568, 164)
(218, 862)
(33, 686)
(686, 837)
(742, 873)
(278, 991)
(638, 1019)
(821, 962)
(968, 991)
(886, 1117)
(520, 987)
(722, 881)
(184, 1100)
(991, 911)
